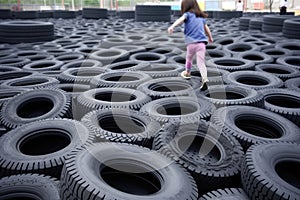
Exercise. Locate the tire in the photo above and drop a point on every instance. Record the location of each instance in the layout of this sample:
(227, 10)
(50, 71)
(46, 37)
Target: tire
(109, 56)
(57, 52)
(178, 109)
(111, 42)
(290, 61)
(15, 62)
(256, 57)
(267, 171)
(94, 13)
(29, 186)
(132, 49)
(41, 146)
(226, 194)
(81, 64)
(252, 125)
(160, 70)
(6, 94)
(277, 53)
(229, 95)
(213, 158)
(213, 53)
(72, 89)
(120, 79)
(167, 87)
(30, 82)
(124, 126)
(148, 57)
(70, 57)
(293, 84)
(230, 64)
(240, 47)
(283, 102)
(35, 105)
(294, 47)
(6, 76)
(128, 65)
(116, 159)
(39, 66)
(80, 75)
(281, 71)
(253, 79)
(167, 51)
(102, 98)
(4, 68)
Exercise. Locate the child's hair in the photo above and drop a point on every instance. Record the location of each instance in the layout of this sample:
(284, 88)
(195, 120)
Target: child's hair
(192, 6)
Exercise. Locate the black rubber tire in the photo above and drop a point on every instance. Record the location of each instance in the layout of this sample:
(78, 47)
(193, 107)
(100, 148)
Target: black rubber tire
(251, 125)
(35, 105)
(160, 70)
(281, 71)
(125, 126)
(256, 57)
(66, 58)
(15, 62)
(240, 47)
(43, 65)
(269, 171)
(293, 84)
(29, 186)
(213, 53)
(122, 79)
(57, 51)
(128, 65)
(148, 57)
(167, 87)
(30, 82)
(72, 89)
(80, 75)
(294, 47)
(167, 51)
(81, 63)
(230, 64)
(101, 98)
(110, 56)
(6, 94)
(226, 194)
(41, 146)
(253, 79)
(6, 76)
(111, 42)
(4, 68)
(114, 161)
(213, 158)
(132, 49)
(283, 102)
(94, 13)
(224, 41)
(277, 52)
(178, 109)
(291, 61)
(229, 95)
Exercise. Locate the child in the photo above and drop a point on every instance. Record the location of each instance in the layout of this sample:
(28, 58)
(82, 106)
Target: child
(282, 7)
(195, 38)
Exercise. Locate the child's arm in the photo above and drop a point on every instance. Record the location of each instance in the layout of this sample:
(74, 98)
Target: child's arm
(176, 23)
(208, 33)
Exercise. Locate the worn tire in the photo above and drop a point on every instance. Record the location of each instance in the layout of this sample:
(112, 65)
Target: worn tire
(252, 125)
(161, 180)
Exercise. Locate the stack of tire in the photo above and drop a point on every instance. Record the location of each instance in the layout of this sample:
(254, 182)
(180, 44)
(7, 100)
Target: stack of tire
(127, 14)
(244, 23)
(26, 31)
(274, 23)
(291, 28)
(26, 14)
(5, 14)
(145, 13)
(94, 13)
(64, 14)
(256, 24)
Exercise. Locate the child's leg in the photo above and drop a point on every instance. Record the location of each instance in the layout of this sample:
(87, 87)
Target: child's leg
(189, 57)
(201, 61)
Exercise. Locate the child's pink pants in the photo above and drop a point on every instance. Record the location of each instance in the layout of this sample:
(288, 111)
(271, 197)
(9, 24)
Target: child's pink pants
(197, 49)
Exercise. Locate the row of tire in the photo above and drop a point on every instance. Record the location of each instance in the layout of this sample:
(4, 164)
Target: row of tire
(84, 117)
(287, 24)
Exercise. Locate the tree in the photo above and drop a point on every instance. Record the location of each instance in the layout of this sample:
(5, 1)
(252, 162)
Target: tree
(271, 4)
